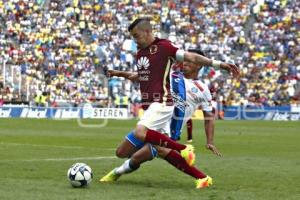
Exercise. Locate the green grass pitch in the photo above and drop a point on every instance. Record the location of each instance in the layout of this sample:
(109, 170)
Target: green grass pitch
(261, 160)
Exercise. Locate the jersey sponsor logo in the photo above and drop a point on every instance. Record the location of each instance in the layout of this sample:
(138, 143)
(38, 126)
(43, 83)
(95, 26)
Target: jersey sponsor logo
(143, 63)
(153, 49)
(195, 97)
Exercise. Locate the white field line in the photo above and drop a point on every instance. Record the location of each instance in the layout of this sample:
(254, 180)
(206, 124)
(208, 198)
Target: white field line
(55, 146)
(79, 159)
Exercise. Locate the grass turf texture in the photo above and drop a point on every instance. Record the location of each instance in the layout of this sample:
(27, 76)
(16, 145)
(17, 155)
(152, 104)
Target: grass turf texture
(261, 161)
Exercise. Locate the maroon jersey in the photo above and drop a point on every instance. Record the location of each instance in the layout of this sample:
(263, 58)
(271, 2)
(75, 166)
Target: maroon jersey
(154, 64)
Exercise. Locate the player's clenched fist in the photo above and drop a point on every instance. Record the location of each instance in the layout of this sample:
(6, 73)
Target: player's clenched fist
(111, 73)
(231, 68)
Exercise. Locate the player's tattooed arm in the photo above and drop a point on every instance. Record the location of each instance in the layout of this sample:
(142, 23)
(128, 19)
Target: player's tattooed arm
(230, 68)
(204, 61)
(133, 76)
(197, 59)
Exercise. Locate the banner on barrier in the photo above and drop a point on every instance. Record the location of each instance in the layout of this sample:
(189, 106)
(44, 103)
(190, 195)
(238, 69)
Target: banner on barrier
(283, 113)
(286, 116)
(105, 113)
(123, 113)
(5, 113)
(64, 113)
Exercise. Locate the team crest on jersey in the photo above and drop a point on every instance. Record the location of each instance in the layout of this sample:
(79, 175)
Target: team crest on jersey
(153, 49)
(194, 90)
(143, 62)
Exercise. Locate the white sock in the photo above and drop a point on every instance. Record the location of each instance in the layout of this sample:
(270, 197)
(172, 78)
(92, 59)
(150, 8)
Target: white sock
(124, 168)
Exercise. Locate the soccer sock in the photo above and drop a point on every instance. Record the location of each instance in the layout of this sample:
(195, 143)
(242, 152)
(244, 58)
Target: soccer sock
(126, 167)
(175, 159)
(157, 138)
(189, 125)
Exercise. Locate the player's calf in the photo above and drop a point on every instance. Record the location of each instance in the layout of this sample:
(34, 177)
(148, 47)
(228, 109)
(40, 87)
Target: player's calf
(129, 146)
(148, 152)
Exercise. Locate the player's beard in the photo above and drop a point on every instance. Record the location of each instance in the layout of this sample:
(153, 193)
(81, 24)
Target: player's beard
(139, 46)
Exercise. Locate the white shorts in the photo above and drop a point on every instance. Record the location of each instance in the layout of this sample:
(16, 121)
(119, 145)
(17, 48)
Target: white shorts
(157, 117)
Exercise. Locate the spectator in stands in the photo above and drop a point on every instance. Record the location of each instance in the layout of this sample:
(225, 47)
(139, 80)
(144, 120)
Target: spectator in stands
(62, 48)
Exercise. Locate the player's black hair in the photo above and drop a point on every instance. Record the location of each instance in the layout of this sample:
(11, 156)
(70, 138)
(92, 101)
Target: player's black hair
(197, 51)
(137, 21)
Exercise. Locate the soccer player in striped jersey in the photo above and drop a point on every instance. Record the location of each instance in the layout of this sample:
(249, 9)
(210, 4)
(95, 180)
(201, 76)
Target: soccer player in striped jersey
(189, 93)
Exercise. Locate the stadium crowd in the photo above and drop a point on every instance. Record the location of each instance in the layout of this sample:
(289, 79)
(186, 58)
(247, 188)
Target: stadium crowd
(59, 52)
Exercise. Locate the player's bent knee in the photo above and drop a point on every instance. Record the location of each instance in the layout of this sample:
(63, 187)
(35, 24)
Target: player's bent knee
(133, 142)
(139, 132)
(121, 153)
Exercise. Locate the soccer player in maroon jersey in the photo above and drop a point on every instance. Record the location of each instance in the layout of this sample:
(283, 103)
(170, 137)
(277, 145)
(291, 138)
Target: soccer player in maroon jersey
(154, 59)
(144, 152)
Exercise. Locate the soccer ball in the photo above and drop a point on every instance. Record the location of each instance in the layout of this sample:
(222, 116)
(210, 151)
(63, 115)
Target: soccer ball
(80, 175)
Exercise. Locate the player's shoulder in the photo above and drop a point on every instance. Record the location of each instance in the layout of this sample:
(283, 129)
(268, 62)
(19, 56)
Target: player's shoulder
(164, 42)
(161, 42)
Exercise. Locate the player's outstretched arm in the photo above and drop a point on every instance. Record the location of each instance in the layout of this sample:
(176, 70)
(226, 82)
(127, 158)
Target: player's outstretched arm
(204, 61)
(133, 76)
(209, 124)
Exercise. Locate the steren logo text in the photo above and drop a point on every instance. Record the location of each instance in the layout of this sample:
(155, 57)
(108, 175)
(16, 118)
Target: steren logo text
(143, 65)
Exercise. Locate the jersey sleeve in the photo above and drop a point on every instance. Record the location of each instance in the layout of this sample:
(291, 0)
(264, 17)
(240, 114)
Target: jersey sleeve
(170, 48)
